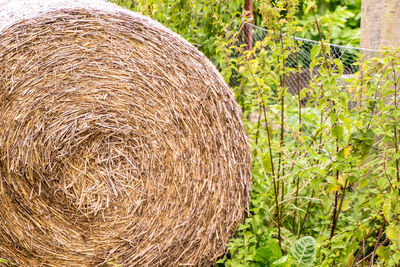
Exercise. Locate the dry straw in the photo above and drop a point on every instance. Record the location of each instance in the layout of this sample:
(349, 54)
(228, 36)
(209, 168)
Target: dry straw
(119, 141)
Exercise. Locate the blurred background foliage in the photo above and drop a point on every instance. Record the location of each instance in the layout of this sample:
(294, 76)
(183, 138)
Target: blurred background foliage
(202, 21)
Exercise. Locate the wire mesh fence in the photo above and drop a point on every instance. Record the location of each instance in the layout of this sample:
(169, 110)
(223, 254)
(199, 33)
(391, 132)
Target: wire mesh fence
(300, 59)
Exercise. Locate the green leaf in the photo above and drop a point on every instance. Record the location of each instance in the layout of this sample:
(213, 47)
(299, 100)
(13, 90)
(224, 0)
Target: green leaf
(383, 252)
(315, 51)
(8, 263)
(284, 261)
(303, 251)
(391, 233)
(269, 253)
(275, 248)
(263, 254)
(310, 5)
(266, 161)
(339, 65)
(316, 184)
(337, 132)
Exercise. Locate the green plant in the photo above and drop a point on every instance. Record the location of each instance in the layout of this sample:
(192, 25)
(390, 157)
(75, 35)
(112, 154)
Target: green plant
(199, 22)
(317, 168)
(303, 251)
(341, 21)
(8, 263)
(326, 173)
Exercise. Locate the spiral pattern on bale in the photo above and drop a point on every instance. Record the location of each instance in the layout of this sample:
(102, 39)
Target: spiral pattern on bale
(119, 142)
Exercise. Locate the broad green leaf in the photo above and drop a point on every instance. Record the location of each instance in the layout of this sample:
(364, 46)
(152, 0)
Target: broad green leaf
(337, 132)
(269, 253)
(347, 151)
(284, 261)
(339, 65)
(315, 51)
(383, 252)
(387, 206)
(303, 251)
(275, 248)
(345, 205)
(263, 254)
(342, 180)
(266, 161)
(391, 233)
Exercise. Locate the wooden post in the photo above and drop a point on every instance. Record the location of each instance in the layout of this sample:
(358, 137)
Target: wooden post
(380, 22)
(248, 29)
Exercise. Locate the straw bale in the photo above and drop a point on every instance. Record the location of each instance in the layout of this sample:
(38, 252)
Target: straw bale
(119, 141)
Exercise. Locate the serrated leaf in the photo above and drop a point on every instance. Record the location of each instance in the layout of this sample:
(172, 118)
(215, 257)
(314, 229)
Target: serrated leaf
(337, 131)
(280, 261)
(363, 182)
(383, 252)
(342, 180)
(391, 233)
(275, 248)
(303, 251)
(345, 205)
(266, 161)
(263, 254)
(387, 206)
(339, 65)
(332, 188)
(315, 51)
(347, 151)
(268, 253)
(310, 5)
(316, 184)
(382, 183)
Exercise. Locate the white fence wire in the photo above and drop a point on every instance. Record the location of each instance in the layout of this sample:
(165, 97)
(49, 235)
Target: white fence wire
(301, 60)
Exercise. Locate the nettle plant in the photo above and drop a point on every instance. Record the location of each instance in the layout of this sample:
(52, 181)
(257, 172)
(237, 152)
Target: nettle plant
(326, 181)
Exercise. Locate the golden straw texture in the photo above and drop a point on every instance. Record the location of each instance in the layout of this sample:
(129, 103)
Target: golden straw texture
(119, 141)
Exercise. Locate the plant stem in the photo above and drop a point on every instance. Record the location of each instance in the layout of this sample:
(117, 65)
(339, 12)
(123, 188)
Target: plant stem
(395, 126)
(366, 257)
(335, 204)
(305, 216)
(377, 242)
(270, 156)
(273, 178)
(341, 199)
(299, 103)
(258, 123)
(282, 137)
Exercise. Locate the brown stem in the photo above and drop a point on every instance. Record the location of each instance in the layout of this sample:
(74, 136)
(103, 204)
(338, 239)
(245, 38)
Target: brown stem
(322, 44)
(395, 125)
(258, 124)
(335, 207)
(276, 190)
(305, 216)
(300, 132)
(282, 137)
(366, 257)
(341, 199)
(273, 179)
(377, 242)
(363, 242)
(333, 225)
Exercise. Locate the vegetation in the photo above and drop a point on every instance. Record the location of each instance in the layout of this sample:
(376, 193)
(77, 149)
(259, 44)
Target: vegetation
(326, 175)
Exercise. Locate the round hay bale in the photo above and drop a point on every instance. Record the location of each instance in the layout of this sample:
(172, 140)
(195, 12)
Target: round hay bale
(119, 141)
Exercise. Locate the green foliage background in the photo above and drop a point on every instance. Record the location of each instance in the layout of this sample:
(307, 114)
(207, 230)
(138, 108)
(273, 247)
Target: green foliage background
(325, 174)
